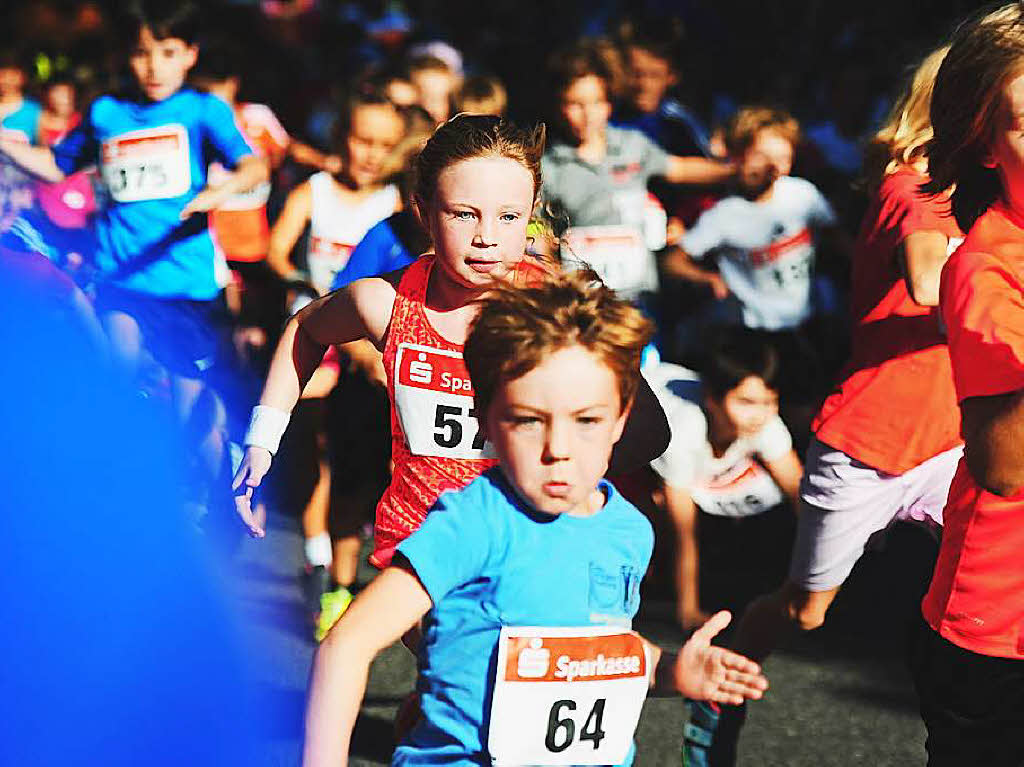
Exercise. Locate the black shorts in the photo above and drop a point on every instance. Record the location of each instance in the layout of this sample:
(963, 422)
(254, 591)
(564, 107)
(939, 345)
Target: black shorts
(184, 336)
(972, 705)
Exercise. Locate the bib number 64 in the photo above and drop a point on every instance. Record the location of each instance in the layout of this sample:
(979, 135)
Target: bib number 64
(562, 727)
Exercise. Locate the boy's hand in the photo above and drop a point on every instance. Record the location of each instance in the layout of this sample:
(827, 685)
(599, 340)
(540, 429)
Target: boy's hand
(208, 199)
(706, 672)
(718, 286)
(255, 465)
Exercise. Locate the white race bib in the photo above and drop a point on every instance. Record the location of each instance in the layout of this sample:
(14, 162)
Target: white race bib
(567, 695)
(617, 253)
(742, 491)
(149, 164)
(434, 402)
(326, 258)
(784, 267)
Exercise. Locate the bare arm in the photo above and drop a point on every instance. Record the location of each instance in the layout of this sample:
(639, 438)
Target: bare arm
(683, 513)
(298, 209)
(993, 430)
(251, 170)
(679, 264)
(698, 170)
(921, 258)
(787, 472)
(304, 154)
(386, 609)
(37, 160)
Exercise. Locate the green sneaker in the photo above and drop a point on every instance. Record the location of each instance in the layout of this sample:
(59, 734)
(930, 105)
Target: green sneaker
(333, 605)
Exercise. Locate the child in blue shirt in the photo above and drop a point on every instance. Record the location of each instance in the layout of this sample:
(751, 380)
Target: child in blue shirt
(158, 273)
(539, 541)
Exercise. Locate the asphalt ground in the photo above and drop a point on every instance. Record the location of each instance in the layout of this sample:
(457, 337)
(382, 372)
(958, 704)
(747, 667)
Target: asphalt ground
(840, 695)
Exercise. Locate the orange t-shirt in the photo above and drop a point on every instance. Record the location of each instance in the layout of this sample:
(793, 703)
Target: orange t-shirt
(435, 438)
(894, 406)
(240, 226)
(976, 597)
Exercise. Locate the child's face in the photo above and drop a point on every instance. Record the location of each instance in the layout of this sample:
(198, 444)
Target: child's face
(160, 66)
(649, 77)
(60, 99)
(12, 81)
(477, 220)
(375, 131)
(766, 159)
(585, 108)
(434, 88)
(401, 93)
(745, 410)
(1006, 151)
(553, 439)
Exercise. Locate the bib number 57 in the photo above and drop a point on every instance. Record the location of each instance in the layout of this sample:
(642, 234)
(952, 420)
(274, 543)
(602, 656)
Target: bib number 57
(562, 727)
(448, 429)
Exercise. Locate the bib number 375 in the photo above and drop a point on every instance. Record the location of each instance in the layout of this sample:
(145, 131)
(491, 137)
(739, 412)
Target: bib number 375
(566, 695)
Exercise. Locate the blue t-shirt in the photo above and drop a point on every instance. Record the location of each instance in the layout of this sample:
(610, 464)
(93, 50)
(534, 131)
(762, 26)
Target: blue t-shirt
(153, 158)
(379, 252)
(487, 561)
(23, 123)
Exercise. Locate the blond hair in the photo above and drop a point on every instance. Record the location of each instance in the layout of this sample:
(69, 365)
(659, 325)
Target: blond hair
(519, 327)
(465, 137)
(748, 121)
(483, 95)
(903, 139)
(985, 52)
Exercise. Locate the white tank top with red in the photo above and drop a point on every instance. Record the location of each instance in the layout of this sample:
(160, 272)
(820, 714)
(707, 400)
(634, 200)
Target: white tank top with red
(337, 226)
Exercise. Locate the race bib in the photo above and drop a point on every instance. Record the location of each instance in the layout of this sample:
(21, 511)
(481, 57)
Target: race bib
(785, 266)
(566, 695)
(326, 259)
(434, 402)
(150, 164)
(742, 491)
(617, 253)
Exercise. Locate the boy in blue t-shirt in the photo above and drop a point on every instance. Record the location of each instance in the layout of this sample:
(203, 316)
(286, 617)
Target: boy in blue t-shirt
(158, 270)
(158, 273)
(527, 580)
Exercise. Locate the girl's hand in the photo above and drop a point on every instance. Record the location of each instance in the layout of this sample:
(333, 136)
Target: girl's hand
(208, 199)
(706, 672)
(255, 465)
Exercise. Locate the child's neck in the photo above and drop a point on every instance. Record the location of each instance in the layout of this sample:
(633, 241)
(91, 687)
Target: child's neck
(763, 197)
(593, 149)
(9, 102)
(348, 188)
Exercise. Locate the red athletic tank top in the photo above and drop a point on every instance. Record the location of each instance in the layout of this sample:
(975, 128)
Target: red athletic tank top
(436, 442)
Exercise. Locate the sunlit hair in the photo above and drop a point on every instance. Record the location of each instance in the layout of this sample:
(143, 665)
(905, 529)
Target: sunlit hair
(465, 137)
(590, 57)
(748, 121)
(984, 54)
(365, 94)
(904, 137)
(483, 95)
(518, 328)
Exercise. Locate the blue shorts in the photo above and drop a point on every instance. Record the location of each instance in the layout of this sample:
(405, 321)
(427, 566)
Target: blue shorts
(183, 335)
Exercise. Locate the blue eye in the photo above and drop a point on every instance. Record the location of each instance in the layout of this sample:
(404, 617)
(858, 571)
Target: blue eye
(463, 215)
(509, 217)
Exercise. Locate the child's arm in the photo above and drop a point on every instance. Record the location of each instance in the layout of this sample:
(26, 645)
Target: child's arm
(361, 310)
(683, 513)
(304, 154)
(386, 609)
(787, 472)
(703, 671)
(921, 258)
(37, 160)
(698, 170)
(250, 171)
(297, 211)
(679, 264)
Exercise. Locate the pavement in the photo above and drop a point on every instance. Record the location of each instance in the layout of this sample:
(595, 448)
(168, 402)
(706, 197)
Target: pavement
(840, 695)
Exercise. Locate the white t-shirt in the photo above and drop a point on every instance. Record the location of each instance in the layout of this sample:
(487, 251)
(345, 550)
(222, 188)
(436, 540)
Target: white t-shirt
(765, 250)
(735, 484)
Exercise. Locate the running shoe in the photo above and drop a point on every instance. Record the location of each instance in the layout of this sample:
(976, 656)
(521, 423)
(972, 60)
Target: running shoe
(333, 605)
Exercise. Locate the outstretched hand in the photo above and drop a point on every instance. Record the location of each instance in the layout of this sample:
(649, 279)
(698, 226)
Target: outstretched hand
(255, 465)
(704, 671)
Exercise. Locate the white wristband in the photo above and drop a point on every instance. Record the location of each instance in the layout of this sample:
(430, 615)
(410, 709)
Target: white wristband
(266, 427)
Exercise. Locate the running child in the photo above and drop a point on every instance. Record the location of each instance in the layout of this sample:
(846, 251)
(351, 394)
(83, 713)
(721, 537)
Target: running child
(19, 122)
(159, 274)
(477, 182)
(730, 462)
(968, 661)
(596, 175)
(887, 439)
(537, 561)
(339, 211)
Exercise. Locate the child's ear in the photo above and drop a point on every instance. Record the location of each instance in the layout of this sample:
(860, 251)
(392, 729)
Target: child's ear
(193, 55)
(620, 424)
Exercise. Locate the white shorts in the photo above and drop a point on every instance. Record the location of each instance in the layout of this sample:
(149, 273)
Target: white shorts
(844, 502)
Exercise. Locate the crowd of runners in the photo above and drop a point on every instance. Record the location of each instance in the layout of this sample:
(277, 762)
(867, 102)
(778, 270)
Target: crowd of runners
(552, 362)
